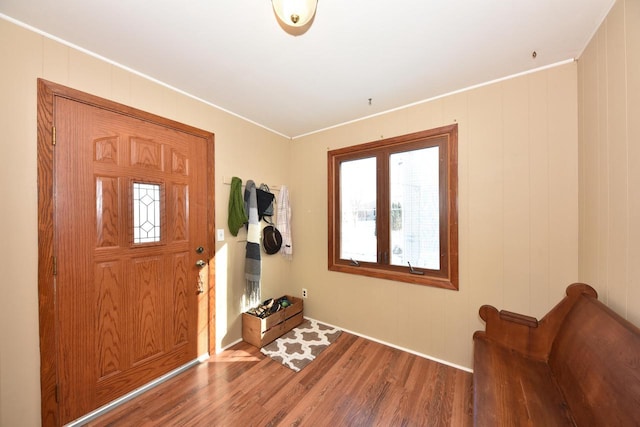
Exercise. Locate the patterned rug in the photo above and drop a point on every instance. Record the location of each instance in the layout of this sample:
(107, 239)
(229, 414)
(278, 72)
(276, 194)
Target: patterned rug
(301, 345)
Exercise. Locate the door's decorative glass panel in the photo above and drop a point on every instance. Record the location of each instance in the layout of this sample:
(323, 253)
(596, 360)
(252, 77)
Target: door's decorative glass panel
(415, 208)
(146, 212)
(358, 208)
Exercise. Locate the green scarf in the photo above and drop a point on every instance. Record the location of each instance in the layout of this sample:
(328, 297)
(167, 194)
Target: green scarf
(237, 215)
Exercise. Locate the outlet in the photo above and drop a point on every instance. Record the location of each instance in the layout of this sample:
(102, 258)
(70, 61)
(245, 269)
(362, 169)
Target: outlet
(304, 293)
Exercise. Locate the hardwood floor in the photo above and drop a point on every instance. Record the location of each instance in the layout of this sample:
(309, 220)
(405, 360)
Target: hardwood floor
(354, 382)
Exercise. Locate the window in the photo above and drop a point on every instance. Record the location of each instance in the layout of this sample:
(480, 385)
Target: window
(393, 208)
(146, 212)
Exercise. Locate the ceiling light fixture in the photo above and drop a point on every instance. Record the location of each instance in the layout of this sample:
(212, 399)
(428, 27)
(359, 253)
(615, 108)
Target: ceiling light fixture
(295, 13)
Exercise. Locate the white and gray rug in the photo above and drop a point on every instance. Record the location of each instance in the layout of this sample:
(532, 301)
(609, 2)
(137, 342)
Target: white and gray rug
(301, 345)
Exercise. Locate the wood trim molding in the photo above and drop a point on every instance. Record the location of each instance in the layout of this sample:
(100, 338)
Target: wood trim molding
(46, 262)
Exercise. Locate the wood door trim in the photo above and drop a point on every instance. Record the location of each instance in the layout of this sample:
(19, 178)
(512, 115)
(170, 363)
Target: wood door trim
(47, 91)
(46, 295)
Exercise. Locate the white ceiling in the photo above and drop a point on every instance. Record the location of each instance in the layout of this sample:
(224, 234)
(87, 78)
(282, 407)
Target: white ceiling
(234, 55)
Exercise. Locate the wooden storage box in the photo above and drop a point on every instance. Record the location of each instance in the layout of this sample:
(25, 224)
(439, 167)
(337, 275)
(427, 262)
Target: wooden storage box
(260, 332)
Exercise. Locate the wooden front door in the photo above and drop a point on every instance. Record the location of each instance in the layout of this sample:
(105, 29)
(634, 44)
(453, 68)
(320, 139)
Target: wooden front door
(129, 214)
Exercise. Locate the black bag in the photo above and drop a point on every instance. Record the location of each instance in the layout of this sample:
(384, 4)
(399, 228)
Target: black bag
(265, 199)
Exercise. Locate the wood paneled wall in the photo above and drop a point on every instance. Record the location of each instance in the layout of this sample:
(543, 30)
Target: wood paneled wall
(518, 197)
(26, 55)
(518, 215)
(609, 135)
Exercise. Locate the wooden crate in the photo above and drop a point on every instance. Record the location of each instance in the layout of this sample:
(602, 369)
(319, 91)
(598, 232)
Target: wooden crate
(260, 332)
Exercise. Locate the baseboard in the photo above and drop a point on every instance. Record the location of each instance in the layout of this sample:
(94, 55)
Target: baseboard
(426, 356)
(226, 347)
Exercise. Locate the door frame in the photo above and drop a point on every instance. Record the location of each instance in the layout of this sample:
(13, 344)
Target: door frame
(47, 92)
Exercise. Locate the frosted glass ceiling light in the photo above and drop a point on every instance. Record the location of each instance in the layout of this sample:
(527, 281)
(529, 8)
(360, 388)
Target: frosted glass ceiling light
(295, 13)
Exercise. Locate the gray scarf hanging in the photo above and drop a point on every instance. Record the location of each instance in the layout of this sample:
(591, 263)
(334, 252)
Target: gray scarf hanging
(252, 264)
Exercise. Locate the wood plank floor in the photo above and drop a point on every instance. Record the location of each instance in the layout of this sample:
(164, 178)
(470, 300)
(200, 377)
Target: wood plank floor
(354, 382)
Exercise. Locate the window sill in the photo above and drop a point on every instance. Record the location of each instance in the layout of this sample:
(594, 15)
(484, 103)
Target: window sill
(398, 276)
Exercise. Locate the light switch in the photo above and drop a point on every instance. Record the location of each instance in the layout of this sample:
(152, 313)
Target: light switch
(220, 235)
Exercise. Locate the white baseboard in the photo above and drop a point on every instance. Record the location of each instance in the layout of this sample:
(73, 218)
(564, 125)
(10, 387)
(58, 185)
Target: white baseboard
(226, 347)
(426, 356)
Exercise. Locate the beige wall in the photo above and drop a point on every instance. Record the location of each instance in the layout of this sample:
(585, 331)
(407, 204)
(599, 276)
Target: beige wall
(518, 199)
(242, 149)
(609, 134)
(518, 215)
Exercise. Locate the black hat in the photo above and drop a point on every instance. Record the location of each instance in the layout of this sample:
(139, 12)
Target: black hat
(271, 239)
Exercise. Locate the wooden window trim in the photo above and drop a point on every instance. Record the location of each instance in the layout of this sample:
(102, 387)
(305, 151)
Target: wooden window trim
(447, 277)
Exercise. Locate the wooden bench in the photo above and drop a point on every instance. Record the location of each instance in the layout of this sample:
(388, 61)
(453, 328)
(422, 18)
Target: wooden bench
(579, 365)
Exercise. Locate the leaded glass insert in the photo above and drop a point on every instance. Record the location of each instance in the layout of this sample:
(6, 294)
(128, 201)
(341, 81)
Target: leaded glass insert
(146, 212)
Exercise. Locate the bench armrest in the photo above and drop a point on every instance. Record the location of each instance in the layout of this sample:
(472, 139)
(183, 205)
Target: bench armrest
(526, 334)
(508, 316)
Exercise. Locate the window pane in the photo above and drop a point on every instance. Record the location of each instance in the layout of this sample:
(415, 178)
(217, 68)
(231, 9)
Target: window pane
(358, 210)
(146, 212)
(415, 208)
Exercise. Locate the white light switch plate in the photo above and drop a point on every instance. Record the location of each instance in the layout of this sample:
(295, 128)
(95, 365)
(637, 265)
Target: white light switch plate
(220, 235)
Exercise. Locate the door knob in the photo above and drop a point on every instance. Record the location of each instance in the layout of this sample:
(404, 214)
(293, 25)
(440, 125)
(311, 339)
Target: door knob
(201, 263)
